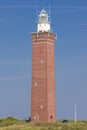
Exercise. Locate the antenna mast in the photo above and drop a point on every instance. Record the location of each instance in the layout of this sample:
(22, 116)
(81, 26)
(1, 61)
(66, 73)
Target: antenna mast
(36, 12)
(49, 13)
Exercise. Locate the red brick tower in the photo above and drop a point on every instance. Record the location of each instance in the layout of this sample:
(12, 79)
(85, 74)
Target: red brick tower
(43, 104)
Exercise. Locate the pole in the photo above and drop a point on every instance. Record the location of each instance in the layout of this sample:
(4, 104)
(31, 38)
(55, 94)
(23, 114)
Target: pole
(75, 114)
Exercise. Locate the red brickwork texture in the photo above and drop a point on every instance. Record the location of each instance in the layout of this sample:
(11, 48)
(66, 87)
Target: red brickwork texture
(43, 104)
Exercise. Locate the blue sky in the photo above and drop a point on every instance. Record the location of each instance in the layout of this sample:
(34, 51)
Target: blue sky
(69, 22)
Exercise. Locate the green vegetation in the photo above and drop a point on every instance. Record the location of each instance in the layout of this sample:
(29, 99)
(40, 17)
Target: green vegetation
(10, 123)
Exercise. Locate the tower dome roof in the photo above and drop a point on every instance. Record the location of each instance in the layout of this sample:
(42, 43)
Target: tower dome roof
(43, 13)
(43, 17)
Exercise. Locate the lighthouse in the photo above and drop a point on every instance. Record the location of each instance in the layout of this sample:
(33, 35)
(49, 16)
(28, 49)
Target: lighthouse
(43, 97)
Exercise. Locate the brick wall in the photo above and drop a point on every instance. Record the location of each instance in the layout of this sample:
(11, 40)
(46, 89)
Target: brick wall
(43, 106)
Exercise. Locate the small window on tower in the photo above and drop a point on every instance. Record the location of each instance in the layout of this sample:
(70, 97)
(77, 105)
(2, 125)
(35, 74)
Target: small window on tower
(41, 106)
(41, 61)
(52, 73)
(49, 95)
(48, 50)
(51, 116)
(35, 83)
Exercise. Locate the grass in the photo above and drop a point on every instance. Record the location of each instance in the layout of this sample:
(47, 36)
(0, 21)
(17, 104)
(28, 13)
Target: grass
(10, 123)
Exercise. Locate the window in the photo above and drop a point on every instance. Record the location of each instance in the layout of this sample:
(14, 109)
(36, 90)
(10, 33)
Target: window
(41, 106)
(51, 117)
(41, 61)
(35, 83)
